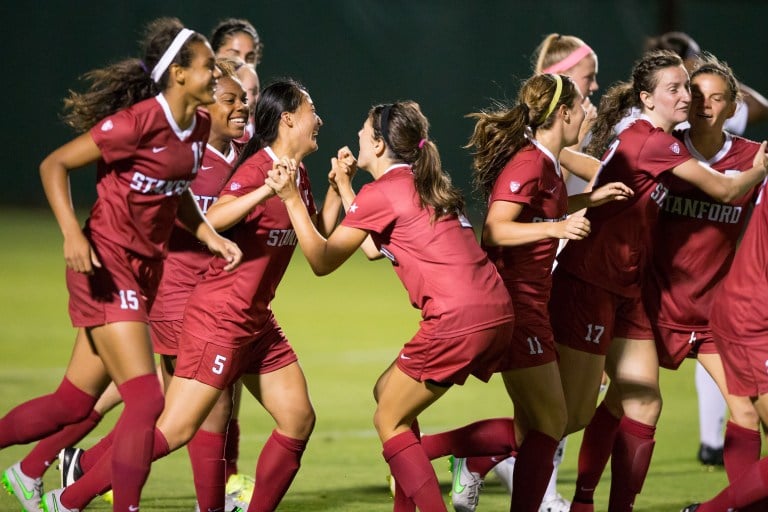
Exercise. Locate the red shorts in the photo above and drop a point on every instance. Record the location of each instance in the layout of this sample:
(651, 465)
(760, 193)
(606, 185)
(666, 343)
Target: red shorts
(533, 344)
(220, 365)
(122, 290)
(165, 336)
(452, 360)
(674, 345)
(586, 317)
(745, 367)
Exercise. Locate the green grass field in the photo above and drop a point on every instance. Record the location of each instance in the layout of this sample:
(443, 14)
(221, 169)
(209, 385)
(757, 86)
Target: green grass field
(346, 328)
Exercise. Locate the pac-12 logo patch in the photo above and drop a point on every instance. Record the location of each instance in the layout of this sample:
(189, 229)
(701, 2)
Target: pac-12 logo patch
(675, 147)
(514, 186)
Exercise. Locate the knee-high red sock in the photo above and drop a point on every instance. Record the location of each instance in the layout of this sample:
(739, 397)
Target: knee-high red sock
(93, 454)
(630, 460)
(741, 449)
(751, 486)
(413, 472)
(98, 479)
(278, 464)
(134, 438)
(402, 503)
(232, 448)
(45, 415)
(486, 437)
(45, 452)
(206, 453)
(596, 446)
(533, 468)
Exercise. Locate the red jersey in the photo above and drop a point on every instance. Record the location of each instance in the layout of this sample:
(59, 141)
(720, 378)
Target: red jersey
(147, 163)
(533, 179)
(231, 308)
(446, 273)
(739, 306)
(695, 240)
(615, 253)
(188, 258)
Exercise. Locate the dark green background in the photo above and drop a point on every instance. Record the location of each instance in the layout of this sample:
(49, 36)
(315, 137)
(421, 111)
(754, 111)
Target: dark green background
(451, 57)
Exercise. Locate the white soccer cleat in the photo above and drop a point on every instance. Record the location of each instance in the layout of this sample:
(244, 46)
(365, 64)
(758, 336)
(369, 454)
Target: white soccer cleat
(51, 502)
(555, 503)
(239, 491)
(26, 489)
(505, 471)
(465, 487)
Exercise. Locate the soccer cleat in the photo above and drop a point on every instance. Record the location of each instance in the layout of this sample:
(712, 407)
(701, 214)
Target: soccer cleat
(27, 490)
(392, 485)
(51, 502)
(108, 496)
(69, 465)
(691, 508)
(465, 487)
(555, 503)
(710, 456)
(505, 470)
(239, 490)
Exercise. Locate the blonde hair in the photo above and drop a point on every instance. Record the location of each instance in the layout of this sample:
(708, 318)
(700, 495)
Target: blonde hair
(553, 49)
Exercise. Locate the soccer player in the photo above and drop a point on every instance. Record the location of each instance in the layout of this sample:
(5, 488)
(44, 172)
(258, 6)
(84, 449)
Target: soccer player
(411, 214)
(143, 129)
(229, 331)
(517, 171)
(236, 37)
(605, 271)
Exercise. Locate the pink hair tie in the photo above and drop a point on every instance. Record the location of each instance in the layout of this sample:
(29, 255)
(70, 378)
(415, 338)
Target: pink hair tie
(422, 142)
(571, 60)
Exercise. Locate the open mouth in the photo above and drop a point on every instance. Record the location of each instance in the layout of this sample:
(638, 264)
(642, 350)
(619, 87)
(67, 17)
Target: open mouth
(238, 122)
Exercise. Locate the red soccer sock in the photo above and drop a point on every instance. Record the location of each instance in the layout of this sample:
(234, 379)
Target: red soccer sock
(533, 468)
(630, 460)
(45, 452)
(748, 488)
(134, 439)
(402, 503)
(99, 479)
(482, 465)
(741, 449)
(278, 464)
(93, 454)
(412, 470)
(596, 446)
(486, 437)
(206, 453)
(45, 415)
(232, 448)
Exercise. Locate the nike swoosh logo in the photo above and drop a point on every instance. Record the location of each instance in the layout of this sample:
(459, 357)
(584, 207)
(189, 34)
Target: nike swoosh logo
(457, 487)
(205, 168)
(134, 508)
(403, 356)
(27, 493)
(157, 150)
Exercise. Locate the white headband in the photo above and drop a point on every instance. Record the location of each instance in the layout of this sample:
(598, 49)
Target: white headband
(170, 53)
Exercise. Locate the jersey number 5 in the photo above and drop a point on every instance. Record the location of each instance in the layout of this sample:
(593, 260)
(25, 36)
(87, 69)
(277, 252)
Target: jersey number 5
(218, 364)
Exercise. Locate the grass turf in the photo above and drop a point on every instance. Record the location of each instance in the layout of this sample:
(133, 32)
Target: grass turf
(346, 328)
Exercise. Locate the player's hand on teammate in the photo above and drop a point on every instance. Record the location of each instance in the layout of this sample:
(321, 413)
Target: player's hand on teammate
(343, 169)
(575, 227)
(79, 255)
(761, 159)
(227, 249)
(615, 191)
(282, 178)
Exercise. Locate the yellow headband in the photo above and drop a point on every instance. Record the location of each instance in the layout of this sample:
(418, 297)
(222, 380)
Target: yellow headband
(555, 98)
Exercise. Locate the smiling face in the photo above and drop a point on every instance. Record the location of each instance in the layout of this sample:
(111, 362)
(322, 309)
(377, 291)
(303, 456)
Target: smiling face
(199, 78)
(711, 103)
(241, 45)
(229, 114)
(575, 116)
(306, 124)
(367, 140)
(584, 75)
(669, 102)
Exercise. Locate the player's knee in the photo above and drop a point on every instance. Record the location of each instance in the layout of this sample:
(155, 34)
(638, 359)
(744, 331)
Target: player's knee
(147, 407)
(70, 404)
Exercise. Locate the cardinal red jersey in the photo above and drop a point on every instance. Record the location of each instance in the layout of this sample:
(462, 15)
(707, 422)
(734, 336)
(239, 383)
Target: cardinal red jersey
(147, 162)
(739, 308)
(232, 307)
(188, 258)
(446, 273)
(531, 178)
(615, 253)
(695, 240)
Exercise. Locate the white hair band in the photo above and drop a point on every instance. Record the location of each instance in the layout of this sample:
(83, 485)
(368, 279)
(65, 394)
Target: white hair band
(170, 53)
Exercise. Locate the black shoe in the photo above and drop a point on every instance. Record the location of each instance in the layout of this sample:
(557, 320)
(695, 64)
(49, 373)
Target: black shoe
(691, 508)
(710, 456)
(69, 465)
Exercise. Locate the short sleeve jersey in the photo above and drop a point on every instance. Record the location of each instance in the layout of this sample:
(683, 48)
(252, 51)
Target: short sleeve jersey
(616, 252)
(738, 309)
(532, 178)
(188, 258)
(446, 273)
(695, 240)
(147, 163)
(232, 308)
